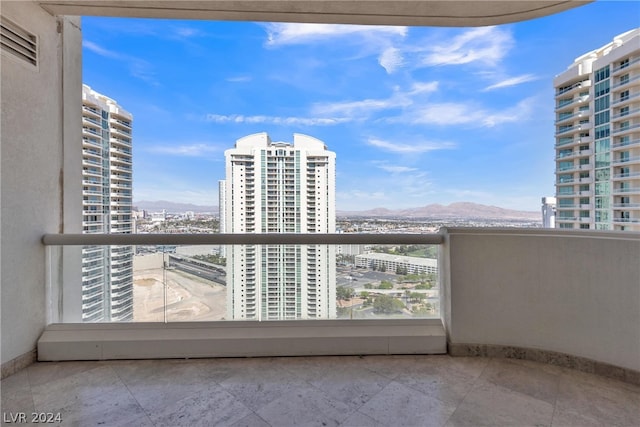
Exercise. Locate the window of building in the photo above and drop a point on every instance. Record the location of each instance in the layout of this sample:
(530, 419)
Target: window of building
(624, 95)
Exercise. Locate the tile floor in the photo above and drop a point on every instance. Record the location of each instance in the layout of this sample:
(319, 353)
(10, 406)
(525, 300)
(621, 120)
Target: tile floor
(320, 391)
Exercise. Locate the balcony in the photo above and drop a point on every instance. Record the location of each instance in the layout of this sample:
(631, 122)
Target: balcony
(573, 88)
(621, 130)
(504, 300)
(632, 64)
(486, 389)
(572, 103)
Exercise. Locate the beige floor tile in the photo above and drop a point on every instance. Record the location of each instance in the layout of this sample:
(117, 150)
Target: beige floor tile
(305, 407)
(251, 420)
(399, 405)
(526, 378)
(212, 406)
(492, 405)
(259, 385)
(15, 392)
(157, 383)
(589, 397)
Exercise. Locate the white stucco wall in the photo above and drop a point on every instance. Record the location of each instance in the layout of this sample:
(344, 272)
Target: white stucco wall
(575, 293)
(32, 172)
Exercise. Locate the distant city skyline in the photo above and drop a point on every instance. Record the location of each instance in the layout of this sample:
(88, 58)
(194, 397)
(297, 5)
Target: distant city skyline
(408, 110)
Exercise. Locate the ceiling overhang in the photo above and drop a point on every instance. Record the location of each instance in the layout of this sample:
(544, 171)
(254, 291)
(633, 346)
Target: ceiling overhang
(452, 13)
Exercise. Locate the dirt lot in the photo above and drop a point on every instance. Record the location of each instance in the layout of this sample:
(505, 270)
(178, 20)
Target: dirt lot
(188, 297)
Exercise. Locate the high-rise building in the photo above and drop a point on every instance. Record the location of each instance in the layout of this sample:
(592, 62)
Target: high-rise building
(598, 138)
(107, 272)
(548, 212)
(278, 187)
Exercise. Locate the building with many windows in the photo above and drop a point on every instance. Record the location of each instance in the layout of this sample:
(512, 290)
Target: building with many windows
(278, 187)
(548, 212)
(598, 138)
(107, 272)
(393, 263)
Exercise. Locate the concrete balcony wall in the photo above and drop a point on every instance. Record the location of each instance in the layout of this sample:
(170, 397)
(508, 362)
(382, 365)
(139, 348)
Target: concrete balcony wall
(576, 293)
(33, 176)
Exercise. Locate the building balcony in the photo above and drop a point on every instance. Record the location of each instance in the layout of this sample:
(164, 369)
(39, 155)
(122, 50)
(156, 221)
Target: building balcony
(567, 118)
(574, 88)
(91, 112)
(631, 114)
(626, 190)
(520, 278)
(626, 176)
(623, 130)
(633, 64)
(626, 83)
(566, 105)
(626, 206)
(621, 102)
(627, 161)
(529, 294)
(120, 142)
(632, 143)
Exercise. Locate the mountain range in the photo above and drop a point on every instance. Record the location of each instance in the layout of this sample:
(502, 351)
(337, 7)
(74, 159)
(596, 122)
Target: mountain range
(454, 210)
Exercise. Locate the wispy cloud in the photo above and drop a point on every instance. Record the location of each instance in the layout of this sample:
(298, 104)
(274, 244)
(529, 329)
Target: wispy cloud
(395, 168)
(364, 107)
(239, 79)
(391, 59)
(290, 33)
(513, 81)
(487, 45)
(275, 120)
(424, 87)
(187, 32)
(97, 49)
(371, 39)
(461, 113)
(416, 146)
(189, 150)
(138, 67)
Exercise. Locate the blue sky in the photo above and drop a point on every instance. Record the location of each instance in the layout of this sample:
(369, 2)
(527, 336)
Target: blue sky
(416, 115)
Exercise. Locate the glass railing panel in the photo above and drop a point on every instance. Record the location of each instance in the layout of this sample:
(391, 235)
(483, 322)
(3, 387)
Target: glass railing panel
(198, 283)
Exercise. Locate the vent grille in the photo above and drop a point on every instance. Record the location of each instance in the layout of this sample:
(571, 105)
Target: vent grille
(18, 42)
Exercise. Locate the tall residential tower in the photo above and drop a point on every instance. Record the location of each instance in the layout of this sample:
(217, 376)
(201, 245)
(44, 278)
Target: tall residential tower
(277, 187)
(598, 138)
(107, 272)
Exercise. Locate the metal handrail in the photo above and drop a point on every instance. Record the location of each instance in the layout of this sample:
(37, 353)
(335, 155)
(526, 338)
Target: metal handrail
(243, 239)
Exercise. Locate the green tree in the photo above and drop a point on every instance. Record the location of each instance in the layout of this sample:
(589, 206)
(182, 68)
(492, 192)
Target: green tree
(385, 284)
(385, 304)
(416, 296)
(383, 268)
(344, 293)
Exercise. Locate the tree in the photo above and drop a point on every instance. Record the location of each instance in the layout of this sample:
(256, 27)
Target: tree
(385, 285)
(385, 304)
(416, 296)
(364, 294)
(400, 270)
(383, 268)
(344, 293)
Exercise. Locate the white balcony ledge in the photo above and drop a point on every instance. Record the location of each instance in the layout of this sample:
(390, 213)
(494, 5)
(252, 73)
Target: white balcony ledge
(100, 341)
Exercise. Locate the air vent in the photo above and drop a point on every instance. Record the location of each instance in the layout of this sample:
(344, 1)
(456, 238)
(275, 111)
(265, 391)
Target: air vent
(19, 43)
